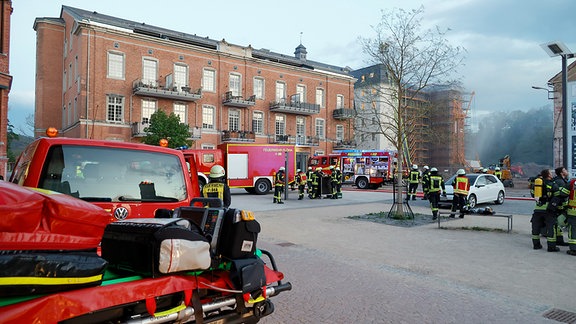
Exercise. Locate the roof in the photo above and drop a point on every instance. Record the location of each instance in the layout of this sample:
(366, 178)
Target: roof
(93, 17)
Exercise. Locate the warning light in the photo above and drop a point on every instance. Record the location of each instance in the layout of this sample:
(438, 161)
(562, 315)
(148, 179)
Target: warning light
(164, 142)
(51, 132)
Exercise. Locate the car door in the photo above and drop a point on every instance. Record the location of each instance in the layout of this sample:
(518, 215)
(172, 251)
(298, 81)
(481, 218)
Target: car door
(492, 187)
(481, 189)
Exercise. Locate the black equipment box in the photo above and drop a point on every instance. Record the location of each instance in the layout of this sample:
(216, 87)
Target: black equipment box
(134, 244)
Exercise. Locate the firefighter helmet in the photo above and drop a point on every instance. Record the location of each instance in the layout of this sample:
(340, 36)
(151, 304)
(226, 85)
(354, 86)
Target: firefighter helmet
(337, 169)
(484, 170)
(217, 171)
(426, 167)
(331, 167)
(414, 167)
(497, 169)
(433, 169)
(461, 172)
(281, 169)
(298, 170)
(309, 168)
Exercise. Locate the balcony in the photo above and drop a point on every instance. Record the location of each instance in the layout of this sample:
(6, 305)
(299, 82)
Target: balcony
(345, 145)
(298, 140)
(343, 113)
(295, 107)
(154, 89)
(238, 136)
(237, 101)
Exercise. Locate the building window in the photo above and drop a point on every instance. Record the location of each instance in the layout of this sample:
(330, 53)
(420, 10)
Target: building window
(320, 97)
(339, 133)
(70, 76)
(301, 93)
(180, 111)
(149, 72)
(339, 101)
(320, 128)
(207, 117)
(259, 88)
(300, 130)
(233, 119)
(180, 76)
(148, 108)
(209, 80)
(280, 92)
(235, 85)
(115, 65)
(280, 125)
(258, 122)
(208, 146)
(115, 109)
(64, 80)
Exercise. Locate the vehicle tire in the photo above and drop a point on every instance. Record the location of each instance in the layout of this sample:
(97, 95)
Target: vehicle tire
(362, 183)
(500, 199)
(472, 201)
(262, 186)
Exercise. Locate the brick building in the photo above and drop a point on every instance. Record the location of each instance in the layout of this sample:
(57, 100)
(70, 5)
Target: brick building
(5, 81)
(102, 77)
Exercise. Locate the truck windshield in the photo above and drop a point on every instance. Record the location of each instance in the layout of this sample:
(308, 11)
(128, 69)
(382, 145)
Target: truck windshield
(113, 174)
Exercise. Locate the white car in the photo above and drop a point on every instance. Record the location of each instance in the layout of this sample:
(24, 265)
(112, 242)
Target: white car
(484, 188)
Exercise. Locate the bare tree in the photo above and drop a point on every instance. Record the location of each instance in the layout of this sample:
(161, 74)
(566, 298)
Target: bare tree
(412, 59)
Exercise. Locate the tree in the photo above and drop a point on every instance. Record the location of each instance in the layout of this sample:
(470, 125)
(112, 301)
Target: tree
(11, 138)
(167, 127)
(413, 59)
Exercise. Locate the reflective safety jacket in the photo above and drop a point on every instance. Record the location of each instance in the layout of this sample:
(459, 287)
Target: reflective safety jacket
(279, 179)
(414, 176)
(217, 190)
(461, 185)
(498, 174)
(436, 182)
(572, 199)
(300, 178)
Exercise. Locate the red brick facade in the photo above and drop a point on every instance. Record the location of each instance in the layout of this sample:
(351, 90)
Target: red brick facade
(5, 81)
(81, 55)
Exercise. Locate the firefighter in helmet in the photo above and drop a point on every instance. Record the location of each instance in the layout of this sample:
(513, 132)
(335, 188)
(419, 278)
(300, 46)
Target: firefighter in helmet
(559, 202)
(279, 179)
(336, 183)
(425, 181)
(543, 220)
(461, 186)
(316, 184)
(571, 219)
(217, 187)
(413, 179)
(309, 180)
(498, 173)
(300, 180)
(435, 188)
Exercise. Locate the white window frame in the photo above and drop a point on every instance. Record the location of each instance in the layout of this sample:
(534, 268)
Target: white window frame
(150, 71)
(259, 85)
(233, 119)
(320, 128)
(339, 101)
(320, 97)
(114, 108)
(339, 133)
(300, 130)
(208, 117)
(258, 122)
(181, 110)
(280, 92)
(180, 76)
(235, 84)
(301, 92)
(280, 124)
(208, 80)
(149, 107)
(116, 65)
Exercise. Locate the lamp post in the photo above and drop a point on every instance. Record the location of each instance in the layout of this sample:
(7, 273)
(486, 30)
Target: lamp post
(559, 49)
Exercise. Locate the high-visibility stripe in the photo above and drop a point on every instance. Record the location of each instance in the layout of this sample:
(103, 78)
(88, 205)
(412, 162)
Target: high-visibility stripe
(17, 281)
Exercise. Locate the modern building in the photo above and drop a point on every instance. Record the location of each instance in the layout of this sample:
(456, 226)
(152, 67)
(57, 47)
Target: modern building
(5, 81)
(102, 77)
(435, 120)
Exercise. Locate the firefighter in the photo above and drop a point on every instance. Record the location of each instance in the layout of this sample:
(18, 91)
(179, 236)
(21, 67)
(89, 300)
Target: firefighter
(217, 187)
(498, 173)
(300, 180)
(461, 186)
(571, 219)
(435, 188)
(316, 184)
(425, 181)
(337, 187)
(279, 179)
(413, 179)
(309, 179)
(559, 201)
(541, 218)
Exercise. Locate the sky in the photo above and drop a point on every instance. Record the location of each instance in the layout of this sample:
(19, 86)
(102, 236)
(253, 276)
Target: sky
(502, 38)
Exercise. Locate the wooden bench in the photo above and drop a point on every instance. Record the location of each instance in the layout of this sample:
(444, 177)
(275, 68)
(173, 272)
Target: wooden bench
(509, 217)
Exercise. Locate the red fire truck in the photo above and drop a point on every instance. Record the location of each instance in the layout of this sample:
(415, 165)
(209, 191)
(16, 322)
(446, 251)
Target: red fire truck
(366, 169)
(248, 166)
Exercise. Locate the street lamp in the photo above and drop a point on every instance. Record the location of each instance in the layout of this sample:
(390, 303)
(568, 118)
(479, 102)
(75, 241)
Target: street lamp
(560, 49)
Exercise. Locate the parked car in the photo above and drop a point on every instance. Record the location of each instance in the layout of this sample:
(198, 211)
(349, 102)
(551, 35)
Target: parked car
(484, 188)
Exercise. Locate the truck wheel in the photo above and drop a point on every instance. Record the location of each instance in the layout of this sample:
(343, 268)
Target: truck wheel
(362, 183)
(262, 186)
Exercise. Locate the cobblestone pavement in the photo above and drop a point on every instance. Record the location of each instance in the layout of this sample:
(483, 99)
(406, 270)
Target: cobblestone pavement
(350, 271)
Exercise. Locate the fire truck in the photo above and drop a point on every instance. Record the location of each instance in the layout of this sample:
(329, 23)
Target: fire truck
(248, 166)
(366, 169)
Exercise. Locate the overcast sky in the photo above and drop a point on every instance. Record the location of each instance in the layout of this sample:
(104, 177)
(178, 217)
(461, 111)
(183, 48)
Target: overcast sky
(502, 37)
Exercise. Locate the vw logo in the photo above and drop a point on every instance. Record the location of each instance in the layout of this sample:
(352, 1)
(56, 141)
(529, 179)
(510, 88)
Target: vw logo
(121, 213)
